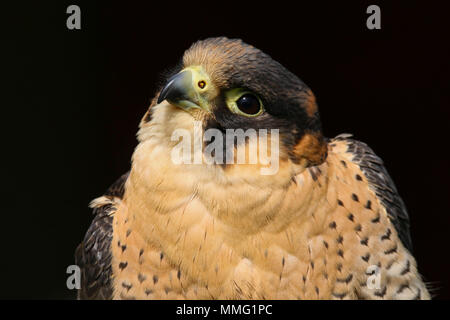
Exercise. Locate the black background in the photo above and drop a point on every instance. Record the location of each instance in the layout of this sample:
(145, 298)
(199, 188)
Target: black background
(77, 98)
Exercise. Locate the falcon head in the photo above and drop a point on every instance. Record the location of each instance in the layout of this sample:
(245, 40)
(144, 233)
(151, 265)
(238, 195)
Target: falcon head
(228, 84)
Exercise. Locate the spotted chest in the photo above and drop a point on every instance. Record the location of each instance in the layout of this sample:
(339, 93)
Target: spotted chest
(341, 246)
(370, 252)
(140, 270)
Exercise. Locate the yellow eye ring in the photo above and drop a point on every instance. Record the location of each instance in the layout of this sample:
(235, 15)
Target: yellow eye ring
(244, 102)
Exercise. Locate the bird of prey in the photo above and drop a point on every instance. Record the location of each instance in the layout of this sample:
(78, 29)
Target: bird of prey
(329, 224)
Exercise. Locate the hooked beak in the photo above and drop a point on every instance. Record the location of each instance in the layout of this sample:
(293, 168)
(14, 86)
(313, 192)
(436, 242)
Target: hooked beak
(180, 91)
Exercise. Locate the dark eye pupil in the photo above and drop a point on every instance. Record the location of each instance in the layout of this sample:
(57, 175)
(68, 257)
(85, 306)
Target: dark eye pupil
(248, 104)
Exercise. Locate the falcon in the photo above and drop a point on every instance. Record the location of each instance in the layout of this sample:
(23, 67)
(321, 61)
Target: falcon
(328, 224)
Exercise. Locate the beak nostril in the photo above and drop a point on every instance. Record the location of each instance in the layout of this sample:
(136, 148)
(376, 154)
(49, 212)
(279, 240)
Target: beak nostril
(201, 84)
(180, 91)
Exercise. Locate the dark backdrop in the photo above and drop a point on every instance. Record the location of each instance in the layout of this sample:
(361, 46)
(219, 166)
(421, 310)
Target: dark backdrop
(77, 98)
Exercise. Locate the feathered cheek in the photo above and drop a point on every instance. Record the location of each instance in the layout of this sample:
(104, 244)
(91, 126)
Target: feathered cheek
(311, 150)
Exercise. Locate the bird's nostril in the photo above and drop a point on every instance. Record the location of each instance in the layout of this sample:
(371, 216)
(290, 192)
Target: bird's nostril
(201, 84)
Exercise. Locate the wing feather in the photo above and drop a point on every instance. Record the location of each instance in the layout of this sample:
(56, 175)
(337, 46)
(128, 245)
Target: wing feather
(93, 255)
(373, 168)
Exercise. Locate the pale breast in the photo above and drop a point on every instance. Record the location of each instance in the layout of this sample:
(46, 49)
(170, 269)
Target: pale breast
(329, 236)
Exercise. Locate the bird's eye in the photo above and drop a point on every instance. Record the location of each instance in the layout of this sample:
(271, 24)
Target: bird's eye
(249, 104)
(243, 102)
